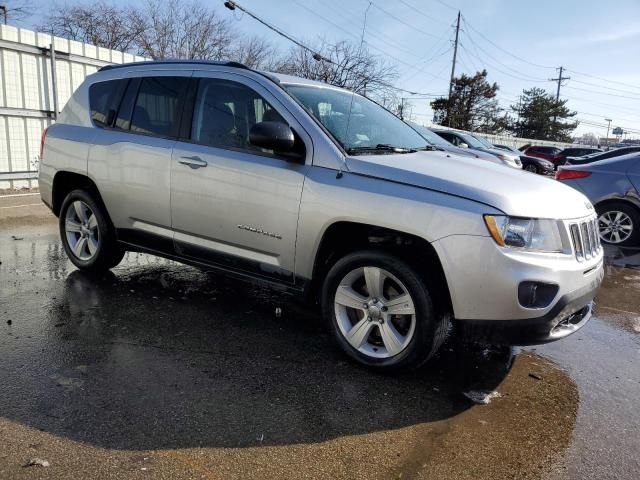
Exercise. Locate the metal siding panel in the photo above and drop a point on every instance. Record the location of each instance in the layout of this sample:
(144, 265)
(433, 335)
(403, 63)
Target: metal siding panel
(5, 163)
(30, 82)
(27, 37)
(13, 82)
(7, 32)
(17, 144)
(63, 79)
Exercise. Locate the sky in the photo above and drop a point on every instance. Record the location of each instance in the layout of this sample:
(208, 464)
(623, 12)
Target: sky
(520, 43)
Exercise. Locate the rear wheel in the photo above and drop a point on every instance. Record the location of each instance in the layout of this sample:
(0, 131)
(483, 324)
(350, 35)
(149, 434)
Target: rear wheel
(87, 234)
(381, 312)
(619, 224)
(531, 168)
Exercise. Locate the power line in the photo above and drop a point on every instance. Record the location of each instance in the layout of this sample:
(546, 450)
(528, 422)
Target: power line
(232, 5)
(603, 79)
(420, 12)
(466, 22)
(403, 22)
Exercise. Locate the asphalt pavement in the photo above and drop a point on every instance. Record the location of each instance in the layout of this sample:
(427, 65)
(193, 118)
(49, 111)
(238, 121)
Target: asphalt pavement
(159, 370)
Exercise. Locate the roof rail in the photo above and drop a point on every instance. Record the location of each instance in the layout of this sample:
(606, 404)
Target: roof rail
(175, 62)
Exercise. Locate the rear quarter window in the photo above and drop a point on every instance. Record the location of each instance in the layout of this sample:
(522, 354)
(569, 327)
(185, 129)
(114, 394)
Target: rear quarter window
(104, 98)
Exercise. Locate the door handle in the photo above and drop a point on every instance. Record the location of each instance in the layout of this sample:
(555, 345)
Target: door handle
(193, 162)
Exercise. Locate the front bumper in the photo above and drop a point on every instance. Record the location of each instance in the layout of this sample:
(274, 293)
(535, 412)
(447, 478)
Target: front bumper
(483, 282)
(570, 314)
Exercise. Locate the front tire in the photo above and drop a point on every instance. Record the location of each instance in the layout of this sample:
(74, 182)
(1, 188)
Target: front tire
(531, 168)
(619, 224)
(380, 311)
(87, 234)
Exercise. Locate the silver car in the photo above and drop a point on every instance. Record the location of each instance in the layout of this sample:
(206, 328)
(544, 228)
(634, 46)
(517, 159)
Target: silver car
(320, 192)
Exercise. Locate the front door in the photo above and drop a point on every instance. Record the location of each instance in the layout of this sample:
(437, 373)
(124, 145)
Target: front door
(233, 204)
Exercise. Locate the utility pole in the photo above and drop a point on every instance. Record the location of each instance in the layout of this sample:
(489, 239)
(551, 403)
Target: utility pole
(519, 113)
(560, 79)
(453, 68)
(3, 9)
(608, 120)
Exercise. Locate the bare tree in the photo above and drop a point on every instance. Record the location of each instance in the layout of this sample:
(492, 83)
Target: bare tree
(347, 66)
(181, 29)
(255, 52)
(16, 10)
(101, 23)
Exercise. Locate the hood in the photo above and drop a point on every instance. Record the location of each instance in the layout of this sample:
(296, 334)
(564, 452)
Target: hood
(512, 191)
(468, 152)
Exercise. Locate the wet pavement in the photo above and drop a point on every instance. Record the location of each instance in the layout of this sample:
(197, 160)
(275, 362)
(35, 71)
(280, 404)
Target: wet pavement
(159, 370)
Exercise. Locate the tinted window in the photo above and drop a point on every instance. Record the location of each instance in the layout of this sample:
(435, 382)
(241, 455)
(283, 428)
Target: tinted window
(224, 113)
(104, 98)
(123, 120)
(156, 108)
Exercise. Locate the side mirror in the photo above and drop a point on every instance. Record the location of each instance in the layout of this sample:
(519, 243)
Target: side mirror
(463, 145)
(276, 136)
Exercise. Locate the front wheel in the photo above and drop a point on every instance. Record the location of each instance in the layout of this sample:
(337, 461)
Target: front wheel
(531, 168)
(381, 312)
(87, 234)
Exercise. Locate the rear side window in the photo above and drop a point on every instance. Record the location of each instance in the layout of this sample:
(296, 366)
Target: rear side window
(156, 107)
(104, 98)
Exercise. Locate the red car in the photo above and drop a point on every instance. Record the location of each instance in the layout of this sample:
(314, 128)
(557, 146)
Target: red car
(548, 153)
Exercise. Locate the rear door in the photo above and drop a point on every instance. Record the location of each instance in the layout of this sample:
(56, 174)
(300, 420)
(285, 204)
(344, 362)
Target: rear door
(233, 204)
(130, 160)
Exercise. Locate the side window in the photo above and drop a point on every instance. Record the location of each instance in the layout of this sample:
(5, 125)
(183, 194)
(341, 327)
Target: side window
(224, 113)
(104, 98)
(156, 107)
(123, 120)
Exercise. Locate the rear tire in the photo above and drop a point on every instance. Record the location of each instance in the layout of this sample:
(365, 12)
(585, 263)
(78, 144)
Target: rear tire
(381, 312)
(619, 224)
(531, 168)
(87, 235)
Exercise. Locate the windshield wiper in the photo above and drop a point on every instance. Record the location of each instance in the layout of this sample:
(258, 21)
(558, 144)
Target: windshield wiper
(381, 147)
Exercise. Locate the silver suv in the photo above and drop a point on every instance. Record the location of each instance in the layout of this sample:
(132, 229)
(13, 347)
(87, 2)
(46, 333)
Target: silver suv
(322, 192)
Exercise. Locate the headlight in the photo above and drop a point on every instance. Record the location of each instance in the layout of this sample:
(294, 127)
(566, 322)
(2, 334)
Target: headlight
(525, 233)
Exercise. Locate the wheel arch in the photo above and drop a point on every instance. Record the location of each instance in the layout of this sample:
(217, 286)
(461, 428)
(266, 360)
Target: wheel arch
(64, 182)
(343, 237)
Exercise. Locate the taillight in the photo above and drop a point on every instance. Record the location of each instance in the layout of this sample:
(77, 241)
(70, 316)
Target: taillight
(42, 138)
(563, 174)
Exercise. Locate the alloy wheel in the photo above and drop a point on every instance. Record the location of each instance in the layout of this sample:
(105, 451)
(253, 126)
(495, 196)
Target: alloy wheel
(615, 226)
(375, 312)
(81, 230)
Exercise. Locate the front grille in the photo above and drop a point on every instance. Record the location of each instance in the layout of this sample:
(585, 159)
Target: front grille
(585, 239)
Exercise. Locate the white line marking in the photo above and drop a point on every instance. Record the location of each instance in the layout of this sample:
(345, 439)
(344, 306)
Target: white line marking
(9, 195)
(619, 311)
(27, 205)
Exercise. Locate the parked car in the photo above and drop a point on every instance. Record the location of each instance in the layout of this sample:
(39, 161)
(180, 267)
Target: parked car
(466, 140)
(573, 152)
(613, 186)
(530, 164)
(441, 143)
(596, 157)
(541, 151)
(321, 192)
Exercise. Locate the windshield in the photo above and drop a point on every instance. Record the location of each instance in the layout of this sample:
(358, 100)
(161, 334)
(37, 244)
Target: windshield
(485, 143)
(429, 136)
(470, 140)
(354, 121)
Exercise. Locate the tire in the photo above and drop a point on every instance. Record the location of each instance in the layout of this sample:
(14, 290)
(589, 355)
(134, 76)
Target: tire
(83, 219)
(531, 168)
(627, 221)
(383, 341)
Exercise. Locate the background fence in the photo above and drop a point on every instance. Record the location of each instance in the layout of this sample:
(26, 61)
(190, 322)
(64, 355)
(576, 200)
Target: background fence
(38, 74)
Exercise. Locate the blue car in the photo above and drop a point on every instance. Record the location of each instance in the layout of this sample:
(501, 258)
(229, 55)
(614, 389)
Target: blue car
(613, 186)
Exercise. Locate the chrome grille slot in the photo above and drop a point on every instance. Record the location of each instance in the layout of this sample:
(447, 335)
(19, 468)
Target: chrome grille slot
(585, 239)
